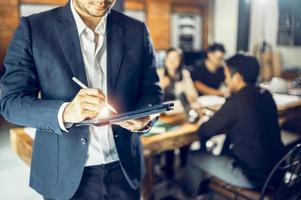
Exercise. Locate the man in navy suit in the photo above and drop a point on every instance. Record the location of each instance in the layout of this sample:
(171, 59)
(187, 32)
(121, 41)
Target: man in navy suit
(113, 55)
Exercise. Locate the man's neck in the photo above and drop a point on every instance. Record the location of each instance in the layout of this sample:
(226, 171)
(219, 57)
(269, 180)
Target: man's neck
(240, 86)
(90, 21)
(210, 66)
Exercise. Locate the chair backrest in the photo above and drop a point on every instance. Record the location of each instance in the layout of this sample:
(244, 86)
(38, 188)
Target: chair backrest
(290, 185)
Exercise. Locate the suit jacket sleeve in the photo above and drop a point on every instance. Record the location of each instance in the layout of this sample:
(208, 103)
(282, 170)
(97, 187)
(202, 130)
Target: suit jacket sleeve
(20, 86)
(221, 121)
(149, 90)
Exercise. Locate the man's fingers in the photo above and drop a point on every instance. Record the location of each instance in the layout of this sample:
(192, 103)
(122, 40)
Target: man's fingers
(92, 107)
(136, 124)
(87, 104)
(88, 114)
(141, 122)
(92, 92)
(93, 100)
(130, 126)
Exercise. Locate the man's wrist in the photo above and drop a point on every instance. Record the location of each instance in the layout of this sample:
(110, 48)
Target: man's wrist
(63, 125)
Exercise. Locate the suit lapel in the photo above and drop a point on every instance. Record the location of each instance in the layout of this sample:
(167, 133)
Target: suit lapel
(115, 49)
(67, 35)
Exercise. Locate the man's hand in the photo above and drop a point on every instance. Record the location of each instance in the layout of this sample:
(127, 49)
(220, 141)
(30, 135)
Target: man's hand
(137, 124)
(87, 104)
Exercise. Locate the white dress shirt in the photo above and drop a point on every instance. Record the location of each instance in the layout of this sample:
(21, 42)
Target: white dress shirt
(101, 149)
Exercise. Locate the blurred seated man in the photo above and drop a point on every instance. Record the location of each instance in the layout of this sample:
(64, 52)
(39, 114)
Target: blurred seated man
(174, 80)
(208, 75)
(249, 118)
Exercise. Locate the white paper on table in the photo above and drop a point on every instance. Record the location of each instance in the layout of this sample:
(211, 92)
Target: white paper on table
(284, 99)
(202, 101)
(210, 100)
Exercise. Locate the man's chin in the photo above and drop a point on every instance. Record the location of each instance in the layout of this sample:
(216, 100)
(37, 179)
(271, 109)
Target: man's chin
(99, 13)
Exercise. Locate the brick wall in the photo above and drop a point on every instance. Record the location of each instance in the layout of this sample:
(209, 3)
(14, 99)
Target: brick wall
(9, 19)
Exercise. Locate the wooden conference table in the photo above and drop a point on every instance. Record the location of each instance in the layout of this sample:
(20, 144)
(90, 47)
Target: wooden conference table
(184, 134)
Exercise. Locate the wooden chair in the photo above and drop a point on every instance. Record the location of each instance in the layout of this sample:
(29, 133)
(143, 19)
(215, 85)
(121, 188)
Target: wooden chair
(288, 189)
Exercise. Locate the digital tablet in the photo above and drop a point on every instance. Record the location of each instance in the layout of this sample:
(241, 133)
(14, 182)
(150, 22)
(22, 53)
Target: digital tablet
(136, 114)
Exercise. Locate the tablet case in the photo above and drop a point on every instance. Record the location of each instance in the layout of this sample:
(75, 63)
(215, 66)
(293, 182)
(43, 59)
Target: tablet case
(136, 114)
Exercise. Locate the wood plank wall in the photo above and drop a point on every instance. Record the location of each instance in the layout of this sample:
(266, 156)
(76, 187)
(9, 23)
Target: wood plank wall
(158, 18)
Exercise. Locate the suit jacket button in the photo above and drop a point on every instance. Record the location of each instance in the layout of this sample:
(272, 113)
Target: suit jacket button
(83, 140)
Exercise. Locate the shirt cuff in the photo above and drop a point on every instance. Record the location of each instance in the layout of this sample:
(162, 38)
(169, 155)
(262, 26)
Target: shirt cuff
(63, 126)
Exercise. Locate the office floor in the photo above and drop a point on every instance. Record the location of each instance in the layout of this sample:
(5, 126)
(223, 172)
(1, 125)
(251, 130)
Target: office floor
(14, 174)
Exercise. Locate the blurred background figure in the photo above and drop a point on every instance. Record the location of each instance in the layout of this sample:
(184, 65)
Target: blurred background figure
(174, 80)
(208, 75)
(254, 133)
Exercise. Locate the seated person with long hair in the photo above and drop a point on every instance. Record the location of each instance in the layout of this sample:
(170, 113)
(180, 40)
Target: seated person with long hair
(208, 75)
(174, 80)
(250, 120)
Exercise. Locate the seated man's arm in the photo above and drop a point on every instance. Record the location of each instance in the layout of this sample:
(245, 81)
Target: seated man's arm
(20, 86)
(206, 90)
(222, 120)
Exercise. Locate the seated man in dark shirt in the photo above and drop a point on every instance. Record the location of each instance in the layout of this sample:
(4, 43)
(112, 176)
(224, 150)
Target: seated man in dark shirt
(208, 75)
(249, 119)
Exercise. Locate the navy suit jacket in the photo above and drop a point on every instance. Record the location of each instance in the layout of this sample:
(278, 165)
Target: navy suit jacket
(43, 56)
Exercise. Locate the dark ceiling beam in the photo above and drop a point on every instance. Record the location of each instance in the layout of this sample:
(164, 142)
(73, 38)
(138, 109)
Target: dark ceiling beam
(243, 28)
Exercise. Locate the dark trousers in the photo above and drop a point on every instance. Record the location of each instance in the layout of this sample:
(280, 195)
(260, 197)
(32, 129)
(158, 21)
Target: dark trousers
(170, 161)
(104, 182)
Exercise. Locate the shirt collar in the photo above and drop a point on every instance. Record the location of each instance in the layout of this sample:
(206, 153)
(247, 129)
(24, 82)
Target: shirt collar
(81, 26)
